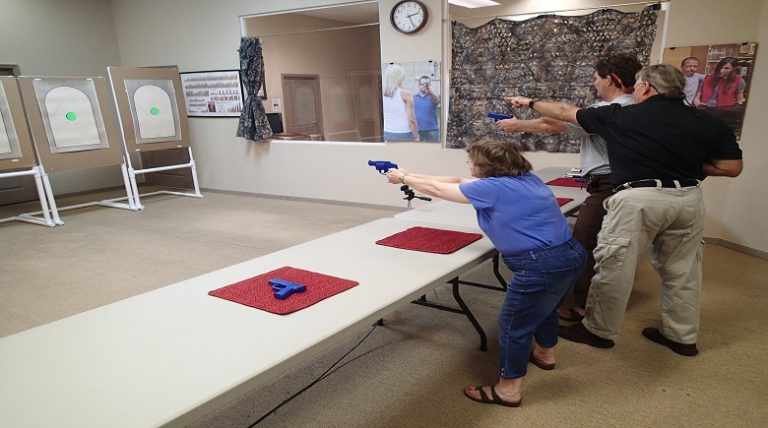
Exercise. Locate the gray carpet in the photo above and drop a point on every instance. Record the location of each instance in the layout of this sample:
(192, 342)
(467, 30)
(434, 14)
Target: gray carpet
(410, 372)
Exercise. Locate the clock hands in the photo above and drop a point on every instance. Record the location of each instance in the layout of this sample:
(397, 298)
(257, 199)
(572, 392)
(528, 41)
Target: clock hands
(413, 14)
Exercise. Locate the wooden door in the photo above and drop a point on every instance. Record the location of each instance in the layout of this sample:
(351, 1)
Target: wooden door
(366, 96)
(303, 107)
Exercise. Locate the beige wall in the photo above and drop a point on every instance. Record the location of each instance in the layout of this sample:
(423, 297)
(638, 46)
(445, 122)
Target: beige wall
(62, 38)
(202, 35)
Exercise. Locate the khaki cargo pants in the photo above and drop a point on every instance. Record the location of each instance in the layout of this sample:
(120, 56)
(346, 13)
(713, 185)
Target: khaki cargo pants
(671, 222)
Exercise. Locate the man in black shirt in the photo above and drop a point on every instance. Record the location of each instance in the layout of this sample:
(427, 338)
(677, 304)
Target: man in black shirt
(659, 150)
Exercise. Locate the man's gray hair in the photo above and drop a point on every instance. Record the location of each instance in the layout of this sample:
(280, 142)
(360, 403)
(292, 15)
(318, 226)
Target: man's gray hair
(668, 80)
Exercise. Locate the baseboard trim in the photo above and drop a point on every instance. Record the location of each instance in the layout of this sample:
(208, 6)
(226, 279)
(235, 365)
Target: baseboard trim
(737, 247)
(311, 200)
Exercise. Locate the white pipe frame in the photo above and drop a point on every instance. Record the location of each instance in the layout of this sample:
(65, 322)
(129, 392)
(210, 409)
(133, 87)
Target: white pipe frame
(129, 173)
(111, 203)
(132, 173)
(50, 213)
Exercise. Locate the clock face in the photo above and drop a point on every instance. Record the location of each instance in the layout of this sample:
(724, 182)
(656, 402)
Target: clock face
(409, 16)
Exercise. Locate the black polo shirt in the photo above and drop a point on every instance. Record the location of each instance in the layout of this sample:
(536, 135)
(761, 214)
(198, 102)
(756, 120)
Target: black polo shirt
(660, 138)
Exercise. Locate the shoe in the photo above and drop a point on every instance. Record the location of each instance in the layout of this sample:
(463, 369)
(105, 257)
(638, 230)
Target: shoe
(654, 335)
(540, 364)
(570, 315)
(494, 399)
(579, 333)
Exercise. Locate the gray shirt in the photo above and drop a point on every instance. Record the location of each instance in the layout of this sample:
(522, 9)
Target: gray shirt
(692, 86)
(594, 150)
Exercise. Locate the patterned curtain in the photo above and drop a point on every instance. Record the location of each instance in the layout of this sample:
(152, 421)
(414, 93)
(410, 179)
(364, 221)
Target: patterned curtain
(548, 56)
(253, 123)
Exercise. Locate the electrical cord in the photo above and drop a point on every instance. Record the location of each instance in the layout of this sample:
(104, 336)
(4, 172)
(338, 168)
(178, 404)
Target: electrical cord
(325, 374)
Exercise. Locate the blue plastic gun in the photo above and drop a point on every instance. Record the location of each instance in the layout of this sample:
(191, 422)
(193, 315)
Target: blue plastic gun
(283, 288)
(382, 166)
(499, 116)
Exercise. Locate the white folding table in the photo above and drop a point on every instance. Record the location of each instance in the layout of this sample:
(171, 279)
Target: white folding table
(169, 356)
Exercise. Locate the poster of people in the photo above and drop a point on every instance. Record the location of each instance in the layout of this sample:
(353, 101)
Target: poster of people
(411, 101)
(717, 78)
(212, 93)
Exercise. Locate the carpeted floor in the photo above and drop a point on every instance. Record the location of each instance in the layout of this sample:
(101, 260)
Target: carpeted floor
(409, 372)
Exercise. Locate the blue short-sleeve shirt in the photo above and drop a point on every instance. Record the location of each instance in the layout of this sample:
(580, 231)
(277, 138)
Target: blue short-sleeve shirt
(517, 213)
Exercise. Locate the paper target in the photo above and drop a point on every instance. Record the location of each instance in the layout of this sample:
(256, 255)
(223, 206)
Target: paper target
(71, 115)
(153, 109)
(71, 118)
(153, 112)
(148, 100)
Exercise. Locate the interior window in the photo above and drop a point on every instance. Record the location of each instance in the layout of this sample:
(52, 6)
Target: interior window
(322, 72)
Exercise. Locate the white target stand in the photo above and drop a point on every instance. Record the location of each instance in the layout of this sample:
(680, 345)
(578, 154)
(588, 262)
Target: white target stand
(17, 154)
(148, 101)
(50, 214)
(70, 130)
(132, 173)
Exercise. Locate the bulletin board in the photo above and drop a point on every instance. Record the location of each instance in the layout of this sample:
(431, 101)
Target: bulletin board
(71, 122)
(148, 103)
(214, 93)
(16, 150)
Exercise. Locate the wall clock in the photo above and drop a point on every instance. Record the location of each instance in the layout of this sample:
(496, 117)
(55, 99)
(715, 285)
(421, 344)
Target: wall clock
(409, 16)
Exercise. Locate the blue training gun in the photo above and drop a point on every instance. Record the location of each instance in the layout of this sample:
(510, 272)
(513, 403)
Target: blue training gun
(283, 288)
(499, 116)
(382, 166)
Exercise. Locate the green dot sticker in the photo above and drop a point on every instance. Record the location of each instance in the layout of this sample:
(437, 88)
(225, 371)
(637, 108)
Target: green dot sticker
(71, 116)
(154, 111)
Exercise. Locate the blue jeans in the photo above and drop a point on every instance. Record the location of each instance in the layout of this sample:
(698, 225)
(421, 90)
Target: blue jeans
(398, 136)
(433, 135)
(542, 277)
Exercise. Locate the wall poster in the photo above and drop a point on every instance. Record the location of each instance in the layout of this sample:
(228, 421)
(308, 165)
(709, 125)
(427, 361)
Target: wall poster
(717, 78)
(212, 93)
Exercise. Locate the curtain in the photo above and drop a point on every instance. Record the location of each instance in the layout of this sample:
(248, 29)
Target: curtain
(253, 124)
(548, 57)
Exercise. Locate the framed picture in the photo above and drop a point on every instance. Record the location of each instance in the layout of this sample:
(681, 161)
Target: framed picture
(212, 93)
(717, 78)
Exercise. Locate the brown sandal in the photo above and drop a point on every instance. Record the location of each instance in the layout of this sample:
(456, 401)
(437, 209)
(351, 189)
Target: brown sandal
(494, 399)
(541, 364)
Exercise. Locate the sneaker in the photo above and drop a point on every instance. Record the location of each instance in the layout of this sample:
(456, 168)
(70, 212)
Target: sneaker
(579, 333)
(654, 335)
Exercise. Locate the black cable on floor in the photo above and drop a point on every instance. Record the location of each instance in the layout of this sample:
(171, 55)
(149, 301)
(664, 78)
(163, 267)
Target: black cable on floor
(325, 374)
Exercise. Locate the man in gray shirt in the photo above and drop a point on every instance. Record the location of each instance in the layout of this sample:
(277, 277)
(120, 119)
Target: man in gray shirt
(690, 67)
(614, 78)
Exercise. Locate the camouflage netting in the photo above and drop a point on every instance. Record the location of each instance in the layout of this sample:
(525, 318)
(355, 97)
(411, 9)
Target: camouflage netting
(548, 57)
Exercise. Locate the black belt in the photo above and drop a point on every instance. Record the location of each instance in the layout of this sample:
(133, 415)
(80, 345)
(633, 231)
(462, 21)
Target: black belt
(669, 184)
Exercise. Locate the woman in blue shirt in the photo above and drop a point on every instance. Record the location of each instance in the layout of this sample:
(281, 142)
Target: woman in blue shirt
(520, 215)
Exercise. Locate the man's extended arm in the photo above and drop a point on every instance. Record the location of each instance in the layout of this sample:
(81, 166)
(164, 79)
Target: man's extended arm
(723, 167)
(561, 111)
(542, 124)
